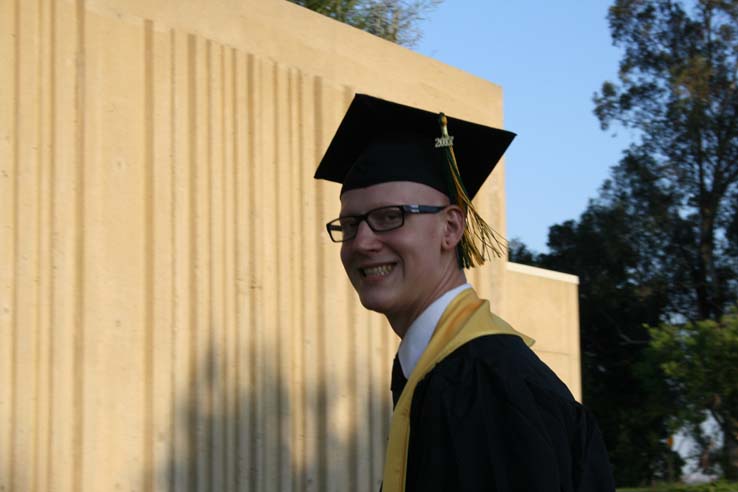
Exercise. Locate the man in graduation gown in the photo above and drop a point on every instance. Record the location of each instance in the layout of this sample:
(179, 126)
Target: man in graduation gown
(475, 408)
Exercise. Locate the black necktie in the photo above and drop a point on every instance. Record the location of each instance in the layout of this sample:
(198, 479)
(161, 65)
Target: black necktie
(398, 381)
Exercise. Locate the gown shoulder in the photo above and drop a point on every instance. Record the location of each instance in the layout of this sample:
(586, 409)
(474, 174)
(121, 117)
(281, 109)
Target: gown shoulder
(492, 416)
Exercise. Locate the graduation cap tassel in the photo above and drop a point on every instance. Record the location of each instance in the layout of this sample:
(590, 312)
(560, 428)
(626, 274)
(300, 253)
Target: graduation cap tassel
(479, 238)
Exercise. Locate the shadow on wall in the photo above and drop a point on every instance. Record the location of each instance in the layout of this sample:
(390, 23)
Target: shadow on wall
(251, 439)
(9, 481)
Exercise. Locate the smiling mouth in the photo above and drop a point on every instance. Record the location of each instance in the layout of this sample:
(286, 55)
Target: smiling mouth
(377, 271)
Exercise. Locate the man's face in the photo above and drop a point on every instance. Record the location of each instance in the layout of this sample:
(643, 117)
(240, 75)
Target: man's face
(395, 272)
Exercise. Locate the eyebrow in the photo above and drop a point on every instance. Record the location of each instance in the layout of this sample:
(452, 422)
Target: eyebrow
(343, 213)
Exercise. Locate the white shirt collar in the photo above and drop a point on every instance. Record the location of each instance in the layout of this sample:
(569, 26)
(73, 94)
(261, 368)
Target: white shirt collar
(420, 331)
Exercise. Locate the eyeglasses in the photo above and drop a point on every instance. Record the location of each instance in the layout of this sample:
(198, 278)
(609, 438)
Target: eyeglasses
(380, 219)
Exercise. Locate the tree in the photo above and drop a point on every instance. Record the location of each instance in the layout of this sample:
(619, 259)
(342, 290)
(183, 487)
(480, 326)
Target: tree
(618, 294)
(518, 252)
(699, 363)
(393, 20)
(678, 90)
(659, 246)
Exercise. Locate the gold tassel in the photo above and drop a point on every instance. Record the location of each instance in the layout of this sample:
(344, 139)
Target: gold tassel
(479, 238)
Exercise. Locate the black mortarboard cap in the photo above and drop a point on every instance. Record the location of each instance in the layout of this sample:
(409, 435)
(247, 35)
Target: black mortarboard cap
(380, 141)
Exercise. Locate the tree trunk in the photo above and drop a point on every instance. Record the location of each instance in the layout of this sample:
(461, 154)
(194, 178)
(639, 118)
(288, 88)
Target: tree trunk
(708, 295)
(730, 452)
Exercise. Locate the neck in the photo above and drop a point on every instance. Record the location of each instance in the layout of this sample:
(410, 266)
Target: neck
(401, 321)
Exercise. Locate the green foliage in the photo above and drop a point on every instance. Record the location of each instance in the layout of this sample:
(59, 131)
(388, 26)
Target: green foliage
(699, 363)
(627, 249)
(393, 20)
(720, 486)
(660, 243)
(618, 293)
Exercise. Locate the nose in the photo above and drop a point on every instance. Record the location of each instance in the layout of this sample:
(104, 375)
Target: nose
(366, 239)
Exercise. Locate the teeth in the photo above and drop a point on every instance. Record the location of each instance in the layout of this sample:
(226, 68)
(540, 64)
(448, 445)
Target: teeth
(380, 270)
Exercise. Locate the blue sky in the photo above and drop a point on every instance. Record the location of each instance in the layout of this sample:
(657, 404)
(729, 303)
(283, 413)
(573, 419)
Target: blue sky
(549, 57)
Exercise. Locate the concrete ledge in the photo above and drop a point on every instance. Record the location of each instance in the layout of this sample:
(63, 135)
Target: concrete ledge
(541, 272)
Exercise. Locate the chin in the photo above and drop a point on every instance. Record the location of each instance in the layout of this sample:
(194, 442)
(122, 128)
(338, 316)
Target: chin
(375, 303)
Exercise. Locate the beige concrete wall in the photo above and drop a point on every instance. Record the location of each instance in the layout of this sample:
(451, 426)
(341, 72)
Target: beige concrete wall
(172, 315)
(545, 305)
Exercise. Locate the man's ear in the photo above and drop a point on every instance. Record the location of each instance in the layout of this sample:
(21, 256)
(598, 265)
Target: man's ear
(453, 227)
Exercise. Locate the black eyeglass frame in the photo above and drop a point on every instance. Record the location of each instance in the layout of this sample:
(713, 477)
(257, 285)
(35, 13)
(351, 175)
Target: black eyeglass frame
(335, 224)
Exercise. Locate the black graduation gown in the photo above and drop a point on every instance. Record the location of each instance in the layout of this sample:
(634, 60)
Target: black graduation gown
(493, 417)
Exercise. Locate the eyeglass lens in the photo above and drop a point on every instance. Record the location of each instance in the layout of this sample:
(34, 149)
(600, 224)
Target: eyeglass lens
(381, 219)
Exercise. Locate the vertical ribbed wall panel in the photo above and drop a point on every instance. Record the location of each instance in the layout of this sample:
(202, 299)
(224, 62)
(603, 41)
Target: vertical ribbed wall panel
(173, 316)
